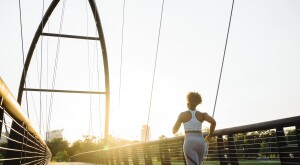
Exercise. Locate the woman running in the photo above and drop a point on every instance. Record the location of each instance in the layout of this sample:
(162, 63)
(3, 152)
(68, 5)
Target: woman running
(192, 119)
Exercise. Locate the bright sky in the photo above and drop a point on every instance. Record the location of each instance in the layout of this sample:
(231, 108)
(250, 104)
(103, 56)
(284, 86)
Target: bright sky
(260, 80)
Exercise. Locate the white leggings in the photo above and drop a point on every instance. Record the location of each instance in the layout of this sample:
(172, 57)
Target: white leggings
(193, 148)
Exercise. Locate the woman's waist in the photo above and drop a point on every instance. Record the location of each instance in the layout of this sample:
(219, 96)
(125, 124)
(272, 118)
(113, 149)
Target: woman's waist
(193, 131)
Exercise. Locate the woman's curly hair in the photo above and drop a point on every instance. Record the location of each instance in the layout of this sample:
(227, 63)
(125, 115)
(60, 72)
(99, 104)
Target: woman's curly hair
(194, 98)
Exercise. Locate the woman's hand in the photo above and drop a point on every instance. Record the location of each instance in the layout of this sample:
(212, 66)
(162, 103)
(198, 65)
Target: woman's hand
(207, 138)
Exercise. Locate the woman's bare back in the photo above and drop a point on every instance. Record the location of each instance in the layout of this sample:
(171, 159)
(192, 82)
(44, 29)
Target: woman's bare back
(187, 115)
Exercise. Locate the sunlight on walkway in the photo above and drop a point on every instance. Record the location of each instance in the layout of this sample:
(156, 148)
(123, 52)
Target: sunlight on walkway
(69, 163)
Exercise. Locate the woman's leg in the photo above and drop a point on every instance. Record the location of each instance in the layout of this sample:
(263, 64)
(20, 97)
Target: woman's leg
(190, 151)
(201, 149)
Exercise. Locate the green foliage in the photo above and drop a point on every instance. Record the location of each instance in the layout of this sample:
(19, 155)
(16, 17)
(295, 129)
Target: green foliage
(57, 145)
(291, 132)
(75, 148)
(61, 156)
(91, 143)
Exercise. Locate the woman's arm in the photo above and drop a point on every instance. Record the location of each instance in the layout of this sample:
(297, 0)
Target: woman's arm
(177, 124)
(212, 122)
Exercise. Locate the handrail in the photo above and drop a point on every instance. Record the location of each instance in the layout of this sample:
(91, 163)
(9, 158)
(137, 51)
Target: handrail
(25, 145)
(14, 110)
(285, 122)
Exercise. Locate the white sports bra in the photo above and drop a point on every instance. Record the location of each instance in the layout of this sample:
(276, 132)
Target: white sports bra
(194, 124)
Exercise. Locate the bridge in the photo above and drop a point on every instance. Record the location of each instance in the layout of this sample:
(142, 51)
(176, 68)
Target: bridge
(269, 142)
(232, 145)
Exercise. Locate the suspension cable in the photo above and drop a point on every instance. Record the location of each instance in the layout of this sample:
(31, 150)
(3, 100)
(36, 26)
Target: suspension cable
(41, 73)
(21, 26)
(220, 76)
(155, 62)
(90, 129)
(121, 60)
(47, 73)
(55, 66)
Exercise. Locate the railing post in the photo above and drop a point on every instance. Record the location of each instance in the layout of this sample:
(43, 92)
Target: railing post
(117, 155)
(298, 135)
(125, 156)
(232, 150)
(22, 145)
(288, 153)
(97, 158)
(106, 157)
(25, 145)
(135, 157)
(147, 154)
(35, 143)
(1, 114)
(164, 153)
(297, 152)
(95, 161)
(280, 137)
(111, 157)
(221, 150)
(102, 157)
(45, 155)
(13, 144)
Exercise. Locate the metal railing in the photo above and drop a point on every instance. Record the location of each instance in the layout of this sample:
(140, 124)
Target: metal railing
(272, 142)
(19, 141)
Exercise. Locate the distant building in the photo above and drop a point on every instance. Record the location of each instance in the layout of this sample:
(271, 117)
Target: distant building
(54, 134)
(145, 133)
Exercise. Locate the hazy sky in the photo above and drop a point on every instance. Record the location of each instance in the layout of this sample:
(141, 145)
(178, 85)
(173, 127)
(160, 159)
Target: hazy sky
(260, 80)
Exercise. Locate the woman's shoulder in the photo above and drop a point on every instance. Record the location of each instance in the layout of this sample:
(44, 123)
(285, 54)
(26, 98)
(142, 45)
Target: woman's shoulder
(185, 112)
(200, 114)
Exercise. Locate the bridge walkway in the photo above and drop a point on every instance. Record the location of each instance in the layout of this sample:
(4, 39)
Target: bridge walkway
(69, 163)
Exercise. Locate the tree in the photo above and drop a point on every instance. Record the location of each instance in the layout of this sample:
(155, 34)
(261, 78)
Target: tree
(75, 148)
(252, 144)
(57, 144)
(61, 156)
(291, 136)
